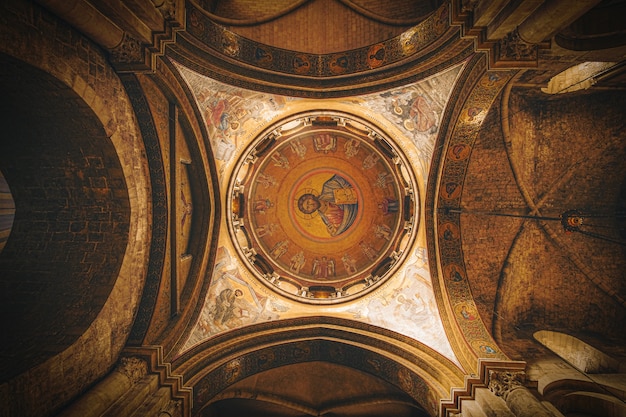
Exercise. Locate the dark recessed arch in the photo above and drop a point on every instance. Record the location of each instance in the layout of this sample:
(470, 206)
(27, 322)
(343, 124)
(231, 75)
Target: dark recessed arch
(72, 216)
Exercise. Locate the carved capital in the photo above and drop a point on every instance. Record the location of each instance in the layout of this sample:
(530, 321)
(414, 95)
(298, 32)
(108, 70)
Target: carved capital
(166, 7)
(513, 48)
(513, 52)
(173, 409)
(468, 5)
(132, 367)
(128, 51)
(502, 383)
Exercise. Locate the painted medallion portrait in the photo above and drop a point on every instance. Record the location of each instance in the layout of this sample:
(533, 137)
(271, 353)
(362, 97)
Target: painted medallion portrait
(328, 206)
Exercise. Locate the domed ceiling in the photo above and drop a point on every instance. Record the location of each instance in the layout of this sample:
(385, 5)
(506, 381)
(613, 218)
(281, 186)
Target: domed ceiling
(323, 208)
(324, 215)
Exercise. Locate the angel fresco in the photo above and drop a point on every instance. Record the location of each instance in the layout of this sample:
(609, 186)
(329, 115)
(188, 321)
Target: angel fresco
(422, 116)
(218, 112)
(227, 311)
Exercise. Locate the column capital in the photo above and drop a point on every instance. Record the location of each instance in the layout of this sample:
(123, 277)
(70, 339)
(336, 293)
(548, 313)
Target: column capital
(502, 383)
(133, 368)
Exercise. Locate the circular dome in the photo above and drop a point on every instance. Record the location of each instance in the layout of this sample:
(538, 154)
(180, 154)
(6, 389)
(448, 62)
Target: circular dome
(323, 207)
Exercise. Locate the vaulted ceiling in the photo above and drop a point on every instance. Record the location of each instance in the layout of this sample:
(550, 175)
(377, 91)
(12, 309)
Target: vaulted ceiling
(513, 198)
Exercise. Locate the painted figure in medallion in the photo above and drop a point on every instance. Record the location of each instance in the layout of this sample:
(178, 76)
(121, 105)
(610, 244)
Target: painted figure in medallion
(337, 204)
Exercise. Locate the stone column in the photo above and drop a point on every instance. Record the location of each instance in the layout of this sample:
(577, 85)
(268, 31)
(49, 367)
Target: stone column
(509, 386)
(97, 400)
(551, 17)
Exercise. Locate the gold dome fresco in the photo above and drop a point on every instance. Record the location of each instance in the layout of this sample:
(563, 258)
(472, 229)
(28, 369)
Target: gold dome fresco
(323, 207)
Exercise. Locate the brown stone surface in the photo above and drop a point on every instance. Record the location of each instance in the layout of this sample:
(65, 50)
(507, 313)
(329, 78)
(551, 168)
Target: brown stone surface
(71, 283)
(343, 27)
(566, 152)
(72, 217)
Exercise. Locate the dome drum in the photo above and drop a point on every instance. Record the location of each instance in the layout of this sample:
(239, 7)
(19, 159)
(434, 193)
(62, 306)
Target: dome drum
(322, 207)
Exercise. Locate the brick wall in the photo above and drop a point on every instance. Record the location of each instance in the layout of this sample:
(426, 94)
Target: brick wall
(72, 216)
(559, 153)
(80, 181)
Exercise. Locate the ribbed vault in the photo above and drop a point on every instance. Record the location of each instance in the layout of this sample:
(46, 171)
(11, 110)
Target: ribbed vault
(550, 156)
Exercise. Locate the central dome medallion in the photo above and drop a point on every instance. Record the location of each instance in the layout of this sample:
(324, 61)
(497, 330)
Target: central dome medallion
(323, 207)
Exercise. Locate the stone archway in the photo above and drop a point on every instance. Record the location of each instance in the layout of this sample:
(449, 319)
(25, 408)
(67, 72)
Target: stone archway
(418, 373)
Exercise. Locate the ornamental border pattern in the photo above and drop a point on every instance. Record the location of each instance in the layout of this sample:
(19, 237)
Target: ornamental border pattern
(411, 44)
(207, 390)
(456, 147)
(159, 209)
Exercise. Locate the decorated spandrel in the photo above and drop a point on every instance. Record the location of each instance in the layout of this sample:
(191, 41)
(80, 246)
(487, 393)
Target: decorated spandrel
(322, 208)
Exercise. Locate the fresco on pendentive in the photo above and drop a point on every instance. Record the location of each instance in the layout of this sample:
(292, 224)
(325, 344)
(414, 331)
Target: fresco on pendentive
(230, 112)
(231, 303)
(233, 117)
(416, 109)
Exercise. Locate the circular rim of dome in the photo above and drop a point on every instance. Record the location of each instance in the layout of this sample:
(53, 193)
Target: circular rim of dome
(313, 259)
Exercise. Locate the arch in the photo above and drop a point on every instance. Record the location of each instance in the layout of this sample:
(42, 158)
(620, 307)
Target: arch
(77, 78)
(578, 77)
(579, 354)
(72, 216)
(211, 49)
(599, 28)
(470, 339)
(585, 403)
(284, 391)
(422, 373)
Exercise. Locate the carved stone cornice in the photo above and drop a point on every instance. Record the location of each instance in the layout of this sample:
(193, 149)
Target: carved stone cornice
(504, 52)
(133, 55)
(482, 379)
(152, 356)
(134, 33)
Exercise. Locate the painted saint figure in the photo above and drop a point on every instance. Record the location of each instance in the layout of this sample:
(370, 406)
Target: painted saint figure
(389, 205)
(323, 268)
(336, 204)
(225, 309)
(349, 264)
